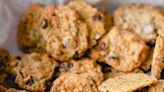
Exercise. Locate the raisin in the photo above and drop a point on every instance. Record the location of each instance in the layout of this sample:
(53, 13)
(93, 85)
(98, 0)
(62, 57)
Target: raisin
(150, 44)
(18, 57)
(30, 81)
(44, 23)
(97, 17)
(102, 46)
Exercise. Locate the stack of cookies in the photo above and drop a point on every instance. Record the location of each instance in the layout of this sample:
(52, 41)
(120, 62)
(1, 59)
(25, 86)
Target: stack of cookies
(79, 48)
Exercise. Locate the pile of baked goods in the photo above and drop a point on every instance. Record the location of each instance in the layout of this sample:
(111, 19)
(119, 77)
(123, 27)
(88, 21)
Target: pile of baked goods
(79, 48)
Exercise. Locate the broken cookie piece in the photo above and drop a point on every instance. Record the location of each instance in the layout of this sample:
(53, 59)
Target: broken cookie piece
(127, 83)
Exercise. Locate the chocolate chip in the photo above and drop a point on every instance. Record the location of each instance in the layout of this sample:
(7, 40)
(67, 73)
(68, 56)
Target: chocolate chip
(44, 23)
(97, 17)
(102, 46)
(30, 81)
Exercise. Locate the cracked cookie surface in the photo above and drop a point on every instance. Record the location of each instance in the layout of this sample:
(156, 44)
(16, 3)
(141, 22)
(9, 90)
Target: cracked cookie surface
(158, 58)
(32, 70)
(92, 17)
(127, 82)
(146, 21)
(125, 53)
(78, 75)
(66, 35)
(29, 36)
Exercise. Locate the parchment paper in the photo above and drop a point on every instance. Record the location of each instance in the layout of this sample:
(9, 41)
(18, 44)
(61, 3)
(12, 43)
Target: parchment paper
(11, 10)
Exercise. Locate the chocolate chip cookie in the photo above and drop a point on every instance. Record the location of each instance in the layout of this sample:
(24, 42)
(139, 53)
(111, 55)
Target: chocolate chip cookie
(122, 49)
(146, 21)
(65, 34)
(32, 70)
(29, 36)
(158, 58)
(93, 17)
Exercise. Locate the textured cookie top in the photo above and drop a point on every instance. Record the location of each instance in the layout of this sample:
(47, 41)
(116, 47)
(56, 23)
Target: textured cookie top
(32, 70)
(127, 83)
(159, 87)
(122, 49)
(158, 58)
(65, 34)
(29, 36)
(71, 82)
(92, 17)
(80, 66)
(146, 21)
(78, 75)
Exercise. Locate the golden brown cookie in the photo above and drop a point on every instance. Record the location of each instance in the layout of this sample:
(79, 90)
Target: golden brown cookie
(146, 21)
(82, 75)
(127, 83)
(122, 49)
(159, 87)
(65, 34)
(29, 36)
(83, 82)
(83, 65)
(32, 70)
(115, 73)
(158, 58)
(92, 17)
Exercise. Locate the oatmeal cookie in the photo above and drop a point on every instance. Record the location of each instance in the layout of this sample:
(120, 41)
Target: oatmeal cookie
(65, 34)
(71, 82)
(146, 21)
(159, 87)
(158, 58)
(79, 66)
(127, 83)
(92, 17)
(29, 36)
(78, 75)
(115, 73)
(122, 49)
(32, 70)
